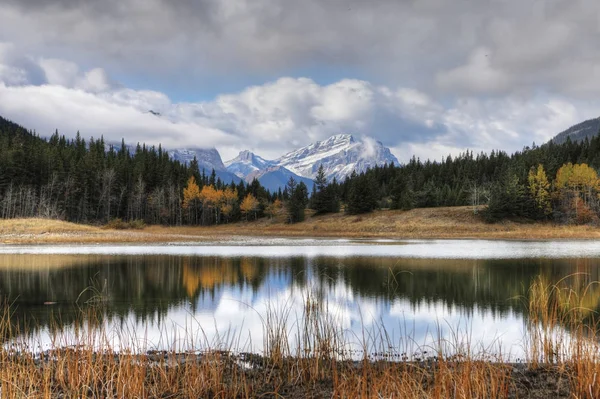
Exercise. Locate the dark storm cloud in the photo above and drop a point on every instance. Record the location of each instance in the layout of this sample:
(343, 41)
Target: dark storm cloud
(458, 46)
(224, 35)
(439, 75)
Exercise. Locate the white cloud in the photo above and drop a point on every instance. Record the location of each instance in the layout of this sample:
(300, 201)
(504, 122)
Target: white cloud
(279, 116)
(48, 107)
(60, 72)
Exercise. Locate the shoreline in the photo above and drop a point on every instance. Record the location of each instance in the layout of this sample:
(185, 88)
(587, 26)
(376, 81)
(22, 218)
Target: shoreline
(425, 223)
(431, 378)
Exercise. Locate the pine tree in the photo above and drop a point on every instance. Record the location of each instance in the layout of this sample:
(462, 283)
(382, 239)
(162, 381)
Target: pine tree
(298, 199)
(508, 199)
(361, 196)
(324, 198)
(401, 193)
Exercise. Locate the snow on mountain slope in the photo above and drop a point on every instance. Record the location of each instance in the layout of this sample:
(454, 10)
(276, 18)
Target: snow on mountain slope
(208, 158)
(246, 163)
(340, 155)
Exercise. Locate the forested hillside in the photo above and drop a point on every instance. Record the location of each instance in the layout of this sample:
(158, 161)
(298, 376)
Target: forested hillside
(579, 132)
(86, 181)
(552, 181)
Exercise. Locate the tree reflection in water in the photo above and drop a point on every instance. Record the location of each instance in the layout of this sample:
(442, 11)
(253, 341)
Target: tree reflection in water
(50, 292)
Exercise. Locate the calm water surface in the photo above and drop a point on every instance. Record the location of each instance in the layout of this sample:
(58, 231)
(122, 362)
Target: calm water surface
(190, 297)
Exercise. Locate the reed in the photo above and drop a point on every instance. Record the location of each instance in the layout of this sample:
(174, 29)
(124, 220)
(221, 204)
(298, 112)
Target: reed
(304, 355)
(564, 331)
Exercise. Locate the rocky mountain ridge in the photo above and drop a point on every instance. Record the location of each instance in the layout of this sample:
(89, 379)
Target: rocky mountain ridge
(340, 155)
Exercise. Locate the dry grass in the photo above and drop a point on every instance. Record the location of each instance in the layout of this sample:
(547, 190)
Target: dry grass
(443, 223)
(318, 366)
(41, 226)
(564, 333)
(563, 361)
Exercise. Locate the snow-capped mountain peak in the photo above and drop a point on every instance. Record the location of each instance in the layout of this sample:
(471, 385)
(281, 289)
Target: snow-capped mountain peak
(208, 158)
(338, 139)
(340, 155)
(246, 163)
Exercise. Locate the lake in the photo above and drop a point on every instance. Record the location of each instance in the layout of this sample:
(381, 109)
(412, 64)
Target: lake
(412, 295)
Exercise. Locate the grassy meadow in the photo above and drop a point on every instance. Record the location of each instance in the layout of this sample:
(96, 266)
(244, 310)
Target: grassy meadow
(442, 223)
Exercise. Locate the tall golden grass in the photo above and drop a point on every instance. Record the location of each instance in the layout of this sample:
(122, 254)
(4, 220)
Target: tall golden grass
(564, 332)
(321, 360)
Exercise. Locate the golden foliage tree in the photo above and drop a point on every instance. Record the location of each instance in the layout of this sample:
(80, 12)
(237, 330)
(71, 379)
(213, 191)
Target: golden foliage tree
(210, 201)
(579, 177)
(539, 187)
(249, 205)
(228, 200)
(275, 208)
(190, 193)
(191, 199)
(577, 187)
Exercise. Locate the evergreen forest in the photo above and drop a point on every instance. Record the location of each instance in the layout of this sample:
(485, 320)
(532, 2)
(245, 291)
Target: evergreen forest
(90, 181)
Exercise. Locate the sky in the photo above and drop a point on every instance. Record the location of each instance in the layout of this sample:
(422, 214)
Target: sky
(425, 77)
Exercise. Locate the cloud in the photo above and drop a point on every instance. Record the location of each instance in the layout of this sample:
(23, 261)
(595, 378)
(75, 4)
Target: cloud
(430, 44)
(47, 107)
(478, 75)
(16, 68)
(291, 112)
(278, 116)
(67, 74)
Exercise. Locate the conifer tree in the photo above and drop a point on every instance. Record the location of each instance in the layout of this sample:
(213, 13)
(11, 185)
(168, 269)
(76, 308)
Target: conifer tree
(401, 193)
(509, 199)
(298, 199)
(324, 198)
(361, 196)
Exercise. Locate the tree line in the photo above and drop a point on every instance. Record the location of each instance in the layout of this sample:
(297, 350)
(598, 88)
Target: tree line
(95, 182)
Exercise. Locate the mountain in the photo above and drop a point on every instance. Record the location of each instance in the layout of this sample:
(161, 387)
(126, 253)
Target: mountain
(274, 178)
(246, 163)
(579, 132)
(208, 159)
(339, 155)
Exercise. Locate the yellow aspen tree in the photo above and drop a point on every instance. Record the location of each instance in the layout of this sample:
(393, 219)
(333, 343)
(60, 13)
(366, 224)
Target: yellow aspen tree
(210, 200)
(249, 205)
(274, 209)
(539, 187)
(577, 182)
(191, 192)
(228, 200)
(580, 177)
